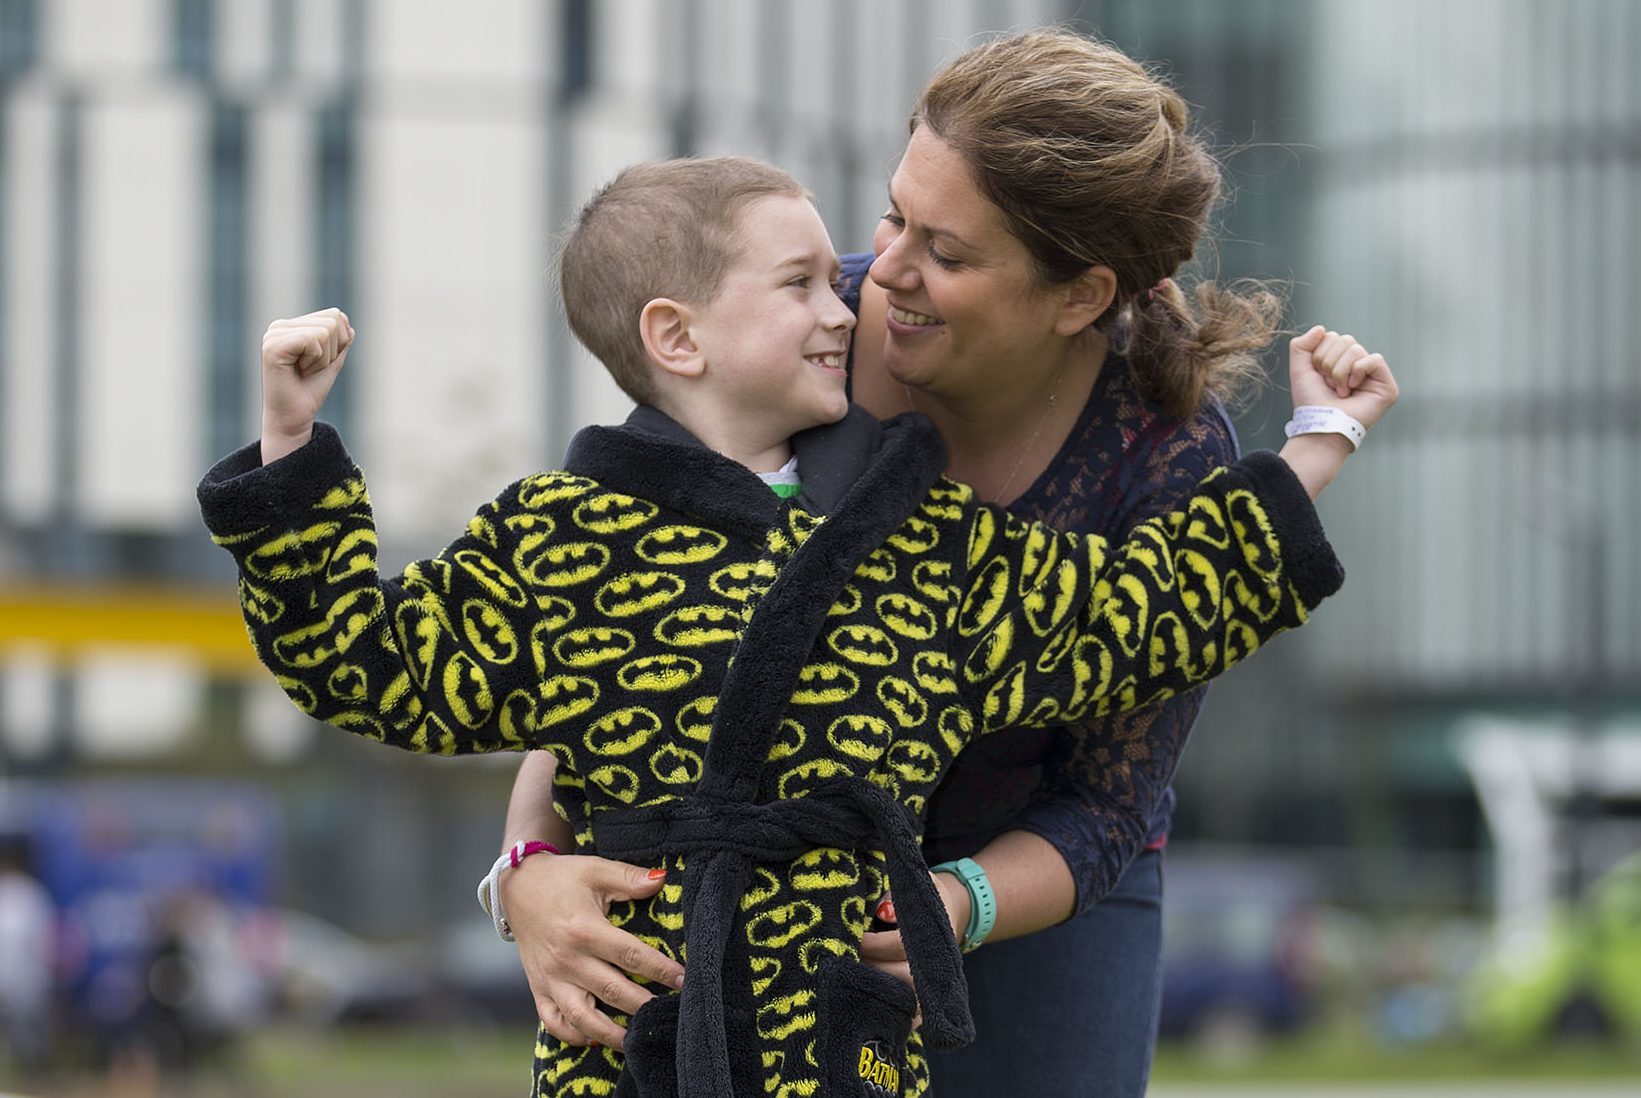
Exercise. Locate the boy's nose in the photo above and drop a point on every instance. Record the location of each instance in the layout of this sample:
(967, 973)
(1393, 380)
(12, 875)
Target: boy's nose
(842, 318)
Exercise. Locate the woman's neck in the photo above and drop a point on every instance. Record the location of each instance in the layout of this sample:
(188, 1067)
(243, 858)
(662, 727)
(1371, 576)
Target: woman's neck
(1002, 439)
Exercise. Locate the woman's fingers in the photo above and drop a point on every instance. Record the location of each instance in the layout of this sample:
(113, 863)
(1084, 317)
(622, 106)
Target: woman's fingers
(623, 953)
(552, 1020)
(883, 945)
(582, 1014)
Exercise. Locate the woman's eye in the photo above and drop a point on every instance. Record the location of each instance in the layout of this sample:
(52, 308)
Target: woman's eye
(894, 219)
(945, 262)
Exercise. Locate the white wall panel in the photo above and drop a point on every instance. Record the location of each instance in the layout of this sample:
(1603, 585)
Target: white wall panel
(325, 53)
(30, 325)
(130, 706)
(141, 408)
(281, 200)
(453, 255)
(106, 39)
(27, 685)
(243, 42)
(632, 40)
(434, 40)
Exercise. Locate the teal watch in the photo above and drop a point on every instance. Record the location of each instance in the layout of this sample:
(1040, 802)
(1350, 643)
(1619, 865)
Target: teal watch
(982, 900)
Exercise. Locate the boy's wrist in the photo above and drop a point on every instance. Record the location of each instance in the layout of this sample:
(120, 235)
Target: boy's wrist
(1316, 459)
(277, 443)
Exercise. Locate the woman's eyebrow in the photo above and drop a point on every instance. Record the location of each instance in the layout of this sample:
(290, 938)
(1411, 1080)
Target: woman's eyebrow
(932, 230)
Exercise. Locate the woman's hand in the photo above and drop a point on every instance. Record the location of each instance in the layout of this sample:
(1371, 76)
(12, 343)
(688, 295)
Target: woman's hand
(557, 907)
(884, 950)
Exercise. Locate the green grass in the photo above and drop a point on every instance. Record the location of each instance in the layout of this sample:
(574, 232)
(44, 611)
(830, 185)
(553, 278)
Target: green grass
(1341, 1057)
(351, 1063)
(469, 1063)
(479, 1063)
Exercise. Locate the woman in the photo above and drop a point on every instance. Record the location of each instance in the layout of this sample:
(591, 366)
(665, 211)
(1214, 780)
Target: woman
(1039, 164)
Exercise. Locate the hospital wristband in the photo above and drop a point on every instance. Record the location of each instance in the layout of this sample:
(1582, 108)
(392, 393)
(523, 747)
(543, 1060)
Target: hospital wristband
(982, 900)
(490, 886)
(1321, 419)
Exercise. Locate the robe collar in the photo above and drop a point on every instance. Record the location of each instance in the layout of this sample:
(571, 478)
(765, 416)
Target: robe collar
(654, 457)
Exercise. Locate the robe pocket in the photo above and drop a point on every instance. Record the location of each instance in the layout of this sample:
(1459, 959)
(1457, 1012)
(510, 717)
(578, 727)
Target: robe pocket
(865, 1019)
(651, 1046)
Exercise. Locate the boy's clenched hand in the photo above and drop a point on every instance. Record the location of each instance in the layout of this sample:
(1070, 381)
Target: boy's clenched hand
(300, 360)
(1336, 371)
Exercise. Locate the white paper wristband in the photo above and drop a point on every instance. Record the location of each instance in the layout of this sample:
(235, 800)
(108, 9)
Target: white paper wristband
(1321, 419)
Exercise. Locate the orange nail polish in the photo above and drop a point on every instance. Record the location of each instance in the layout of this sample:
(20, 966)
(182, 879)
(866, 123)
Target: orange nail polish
(886, 911)
(657, 874)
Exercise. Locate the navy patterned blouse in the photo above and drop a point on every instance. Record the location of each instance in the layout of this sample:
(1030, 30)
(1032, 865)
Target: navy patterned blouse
(1098, 791)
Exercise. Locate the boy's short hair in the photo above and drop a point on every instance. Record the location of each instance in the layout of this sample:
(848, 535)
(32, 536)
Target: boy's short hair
(660, 229)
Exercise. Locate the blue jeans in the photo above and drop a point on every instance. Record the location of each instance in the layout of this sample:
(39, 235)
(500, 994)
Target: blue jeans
(1070, 1011)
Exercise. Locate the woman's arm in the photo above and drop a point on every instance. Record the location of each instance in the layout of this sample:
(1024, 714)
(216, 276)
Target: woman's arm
(1068, 850)
(556, 907)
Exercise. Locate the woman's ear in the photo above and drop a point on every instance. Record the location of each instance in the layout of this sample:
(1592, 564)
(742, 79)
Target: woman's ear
(664, 326)
(1087, 297)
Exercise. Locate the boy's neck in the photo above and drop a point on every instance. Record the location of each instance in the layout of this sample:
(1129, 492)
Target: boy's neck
(743, 443)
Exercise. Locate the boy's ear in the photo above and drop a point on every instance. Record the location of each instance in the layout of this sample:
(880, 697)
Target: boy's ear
(664, 326)
(1087, 297)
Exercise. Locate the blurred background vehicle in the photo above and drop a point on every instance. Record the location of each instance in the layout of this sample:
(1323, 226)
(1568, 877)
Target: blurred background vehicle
(1238, 960)
(323, 976)
(1580, 975)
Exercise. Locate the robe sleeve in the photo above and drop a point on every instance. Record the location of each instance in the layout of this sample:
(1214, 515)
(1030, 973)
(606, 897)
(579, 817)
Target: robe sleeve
(438, 659)
(1054, 627)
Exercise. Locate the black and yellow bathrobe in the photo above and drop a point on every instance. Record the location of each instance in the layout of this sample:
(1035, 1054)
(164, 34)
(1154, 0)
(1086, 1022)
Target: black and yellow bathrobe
(757, 694)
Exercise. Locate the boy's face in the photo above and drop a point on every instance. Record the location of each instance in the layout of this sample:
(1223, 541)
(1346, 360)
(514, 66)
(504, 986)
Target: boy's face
(776, 335)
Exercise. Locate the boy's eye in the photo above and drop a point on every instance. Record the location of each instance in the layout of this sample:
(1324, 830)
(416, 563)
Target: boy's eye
(799, 280)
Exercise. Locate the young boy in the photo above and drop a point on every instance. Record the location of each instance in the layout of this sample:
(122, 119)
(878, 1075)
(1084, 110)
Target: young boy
(755, 689)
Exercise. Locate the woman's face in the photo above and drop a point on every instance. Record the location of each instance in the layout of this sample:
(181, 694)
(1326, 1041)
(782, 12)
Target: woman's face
(967, 309)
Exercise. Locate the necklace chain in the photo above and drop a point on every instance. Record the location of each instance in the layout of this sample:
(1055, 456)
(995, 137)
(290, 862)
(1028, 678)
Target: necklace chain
(1001, 496)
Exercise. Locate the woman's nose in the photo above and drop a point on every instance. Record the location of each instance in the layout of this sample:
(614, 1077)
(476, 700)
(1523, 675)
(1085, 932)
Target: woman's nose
(890, 270)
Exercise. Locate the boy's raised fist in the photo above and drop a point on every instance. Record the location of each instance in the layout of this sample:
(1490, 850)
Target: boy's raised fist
(300, 360)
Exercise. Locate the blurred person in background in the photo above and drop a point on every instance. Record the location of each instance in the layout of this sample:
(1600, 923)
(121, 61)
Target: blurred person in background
(28, 922)
(1034, 159)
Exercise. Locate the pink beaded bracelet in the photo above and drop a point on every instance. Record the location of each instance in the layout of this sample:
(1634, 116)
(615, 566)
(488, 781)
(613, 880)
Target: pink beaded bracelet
(523, 850)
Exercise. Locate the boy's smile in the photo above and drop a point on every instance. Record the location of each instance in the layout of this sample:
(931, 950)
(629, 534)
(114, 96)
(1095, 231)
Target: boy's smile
(775, 337)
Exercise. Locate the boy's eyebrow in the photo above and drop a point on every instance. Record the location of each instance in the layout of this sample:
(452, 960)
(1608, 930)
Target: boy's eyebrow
(808, 259)
(932, 230)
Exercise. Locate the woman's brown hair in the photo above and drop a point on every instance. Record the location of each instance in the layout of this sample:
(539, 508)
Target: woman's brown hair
(1092, 160)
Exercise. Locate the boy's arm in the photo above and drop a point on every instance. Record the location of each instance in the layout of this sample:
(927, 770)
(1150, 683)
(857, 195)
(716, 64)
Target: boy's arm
(1054, 627)
(437, 660)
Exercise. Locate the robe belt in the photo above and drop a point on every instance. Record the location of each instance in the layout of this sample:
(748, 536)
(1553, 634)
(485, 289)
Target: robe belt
(723, 841)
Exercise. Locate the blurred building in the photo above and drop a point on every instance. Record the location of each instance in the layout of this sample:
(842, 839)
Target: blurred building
(1455, 183)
